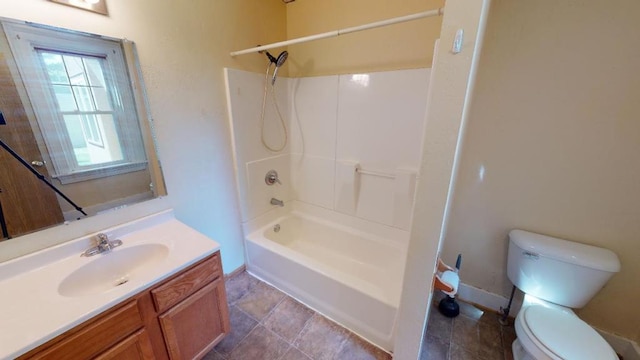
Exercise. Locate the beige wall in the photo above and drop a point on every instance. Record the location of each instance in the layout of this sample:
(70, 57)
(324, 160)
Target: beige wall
(552, 145)
(183, 49)
(401, 46)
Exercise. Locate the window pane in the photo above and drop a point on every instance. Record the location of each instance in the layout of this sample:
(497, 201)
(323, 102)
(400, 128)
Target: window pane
(75, 69)
(112, 149)
(55, 68)
(78, 142)
(83, 98)
(94, 139)
(102, 99)
(94, 72)
(65, 98)
(92, 130)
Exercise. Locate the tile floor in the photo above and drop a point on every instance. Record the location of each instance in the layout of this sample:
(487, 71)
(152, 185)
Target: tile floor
(267, 324)
(472, 335)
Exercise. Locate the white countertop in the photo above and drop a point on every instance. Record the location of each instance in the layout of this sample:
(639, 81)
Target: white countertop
(33, 312)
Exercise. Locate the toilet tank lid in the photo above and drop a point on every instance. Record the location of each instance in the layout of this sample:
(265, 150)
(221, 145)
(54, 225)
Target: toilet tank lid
(593, 257)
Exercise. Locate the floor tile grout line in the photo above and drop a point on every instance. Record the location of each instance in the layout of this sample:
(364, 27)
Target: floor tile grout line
(258, 322)
(285, 352)
(241, 340)
(268, 313)
(449, 347)
(269, 330)
(348, 334)
(261, 322)
(249, 315)
(220, 355)
(250, 331)
(315, 313)
(306, 324)
(344, 342)
(281, 338)
(273, 309)
(243, 295)
(485, 324)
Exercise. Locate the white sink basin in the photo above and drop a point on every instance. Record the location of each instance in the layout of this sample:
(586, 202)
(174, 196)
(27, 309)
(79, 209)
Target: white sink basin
(107, 271)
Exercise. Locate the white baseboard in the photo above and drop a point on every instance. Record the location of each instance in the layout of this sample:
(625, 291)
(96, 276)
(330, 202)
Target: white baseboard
(625, 347)
(487, 299)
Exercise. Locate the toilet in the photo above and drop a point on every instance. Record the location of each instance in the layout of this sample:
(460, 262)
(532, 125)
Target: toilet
(556, 276)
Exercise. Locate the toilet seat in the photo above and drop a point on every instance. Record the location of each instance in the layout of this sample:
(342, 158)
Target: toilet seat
(562, 335)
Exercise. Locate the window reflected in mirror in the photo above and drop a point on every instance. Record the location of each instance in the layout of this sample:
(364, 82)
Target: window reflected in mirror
(74, 116)
(83, 102)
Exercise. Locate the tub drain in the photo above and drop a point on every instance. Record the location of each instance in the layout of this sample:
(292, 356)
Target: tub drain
(276, 228)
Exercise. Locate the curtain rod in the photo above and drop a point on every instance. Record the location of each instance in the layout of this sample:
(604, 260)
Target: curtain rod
(334, 33)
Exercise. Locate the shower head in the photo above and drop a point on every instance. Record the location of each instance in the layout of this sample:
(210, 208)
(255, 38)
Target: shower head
(282, 58)
(279, 61)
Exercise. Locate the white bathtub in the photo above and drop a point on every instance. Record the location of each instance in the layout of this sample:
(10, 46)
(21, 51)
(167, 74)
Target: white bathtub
(346, 273)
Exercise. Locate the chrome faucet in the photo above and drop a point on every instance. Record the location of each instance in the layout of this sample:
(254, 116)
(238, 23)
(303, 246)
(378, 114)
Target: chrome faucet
(275, 201)
(104, 245)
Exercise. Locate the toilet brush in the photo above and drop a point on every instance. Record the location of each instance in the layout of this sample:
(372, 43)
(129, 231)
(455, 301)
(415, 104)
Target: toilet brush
(448, 305)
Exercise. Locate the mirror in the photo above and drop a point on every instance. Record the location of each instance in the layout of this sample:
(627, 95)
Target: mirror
(75, 132)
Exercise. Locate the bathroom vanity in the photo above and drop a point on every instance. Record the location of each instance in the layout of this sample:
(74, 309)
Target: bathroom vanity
(160, 295)
(181, 318)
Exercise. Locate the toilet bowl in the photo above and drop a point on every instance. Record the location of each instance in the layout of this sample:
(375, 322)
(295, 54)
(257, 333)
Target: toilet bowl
(549, 332)
(557, 275)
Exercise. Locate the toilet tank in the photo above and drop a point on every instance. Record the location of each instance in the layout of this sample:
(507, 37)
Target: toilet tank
(560, 271)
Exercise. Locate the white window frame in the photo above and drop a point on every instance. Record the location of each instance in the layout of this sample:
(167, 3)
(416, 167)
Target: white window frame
(24, 41)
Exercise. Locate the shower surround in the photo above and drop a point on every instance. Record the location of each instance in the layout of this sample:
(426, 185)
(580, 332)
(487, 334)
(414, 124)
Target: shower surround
(348, 177)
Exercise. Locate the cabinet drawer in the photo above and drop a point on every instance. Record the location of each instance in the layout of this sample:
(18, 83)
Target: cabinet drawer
(178, 288)
(88, 341)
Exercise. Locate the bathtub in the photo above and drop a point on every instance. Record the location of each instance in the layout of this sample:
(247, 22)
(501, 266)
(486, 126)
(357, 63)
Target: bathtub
(335, 265)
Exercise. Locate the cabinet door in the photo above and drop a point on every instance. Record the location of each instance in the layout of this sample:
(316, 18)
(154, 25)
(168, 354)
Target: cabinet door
(195, 325)
(135, 347)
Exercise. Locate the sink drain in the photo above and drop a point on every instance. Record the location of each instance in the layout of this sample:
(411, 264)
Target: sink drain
(121, 281)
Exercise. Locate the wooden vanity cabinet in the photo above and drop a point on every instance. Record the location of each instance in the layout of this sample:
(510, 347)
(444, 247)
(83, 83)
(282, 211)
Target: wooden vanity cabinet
(194, 326)
(182, 317)
(136, 346)
(192, 310)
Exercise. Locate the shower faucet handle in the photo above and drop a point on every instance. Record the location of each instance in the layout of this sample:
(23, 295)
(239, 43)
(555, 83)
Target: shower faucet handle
(272, 178)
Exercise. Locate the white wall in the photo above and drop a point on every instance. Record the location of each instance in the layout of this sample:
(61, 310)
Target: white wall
(375, 120)
(245, 91)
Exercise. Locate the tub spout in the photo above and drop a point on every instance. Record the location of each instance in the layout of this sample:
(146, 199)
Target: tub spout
(275, 201)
